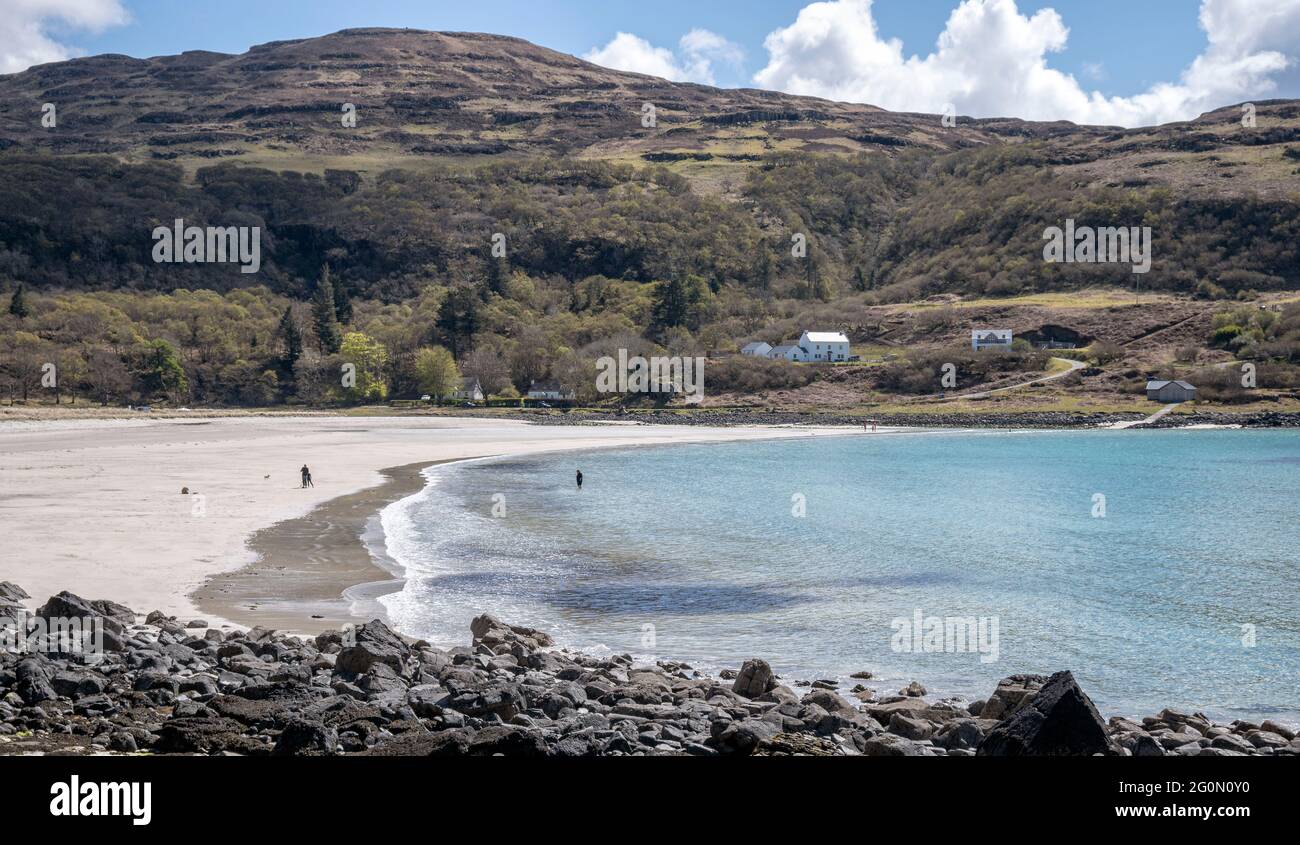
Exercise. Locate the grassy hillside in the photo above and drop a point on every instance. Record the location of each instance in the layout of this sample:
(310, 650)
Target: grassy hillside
(678, 236)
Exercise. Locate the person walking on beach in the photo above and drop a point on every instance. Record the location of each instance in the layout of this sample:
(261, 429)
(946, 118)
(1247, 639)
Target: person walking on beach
(579, 479)
(306, 477)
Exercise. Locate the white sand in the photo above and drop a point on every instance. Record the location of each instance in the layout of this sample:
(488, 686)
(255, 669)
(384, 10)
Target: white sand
(95, 506)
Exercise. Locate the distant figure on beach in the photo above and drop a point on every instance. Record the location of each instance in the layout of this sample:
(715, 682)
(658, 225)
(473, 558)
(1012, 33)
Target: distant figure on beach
(306, 477)
(579, 479)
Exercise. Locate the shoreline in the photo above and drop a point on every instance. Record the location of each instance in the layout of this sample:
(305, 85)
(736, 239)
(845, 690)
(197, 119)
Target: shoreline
(144, 512)
(310, 570)
(311, 567)
(304, 602)
(15, 417)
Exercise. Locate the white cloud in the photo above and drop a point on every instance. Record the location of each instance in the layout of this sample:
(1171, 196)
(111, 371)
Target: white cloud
(25, 28)
(698, 51)
(992, 61)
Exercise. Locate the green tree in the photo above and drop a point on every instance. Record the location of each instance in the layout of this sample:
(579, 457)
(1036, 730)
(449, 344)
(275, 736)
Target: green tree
(342, 301)
(818, 287)
(290, 340)
(458, 319)
(498, 274)
(328, 334)
(679, 302)
(436, 371)
(370, 359)
(162, 372)
(18, 303)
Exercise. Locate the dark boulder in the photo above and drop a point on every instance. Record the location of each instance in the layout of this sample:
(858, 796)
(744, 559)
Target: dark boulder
(755, 679)
(508, 741)
(73, 684)
(103, 614)
(304, 738)
(499, 637)
(202, 735)
(1059, 721)
(451, 743)
(504, 701)
(68, 605)
(1011, 694)
(33, 682)
(373, 642)
(11, 593)
(743, 738)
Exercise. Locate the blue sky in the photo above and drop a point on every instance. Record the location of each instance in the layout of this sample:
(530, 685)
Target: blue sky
(1099, 61)
(1156, 41)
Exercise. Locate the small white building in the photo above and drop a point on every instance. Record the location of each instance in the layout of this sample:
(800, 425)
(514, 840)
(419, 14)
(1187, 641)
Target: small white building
(757, 349)
(786, 352)
(981, 339)
(549, 389)
(469, 390)
(824, 346)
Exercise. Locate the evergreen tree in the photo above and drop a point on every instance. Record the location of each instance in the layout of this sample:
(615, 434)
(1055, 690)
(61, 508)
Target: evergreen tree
(325, 317)
(342, 301)
(18, 304)
(817, 285)
(162, 372)
(290, 340)
(498, 271)
(677, 303)
(859, 280)
(458, 320)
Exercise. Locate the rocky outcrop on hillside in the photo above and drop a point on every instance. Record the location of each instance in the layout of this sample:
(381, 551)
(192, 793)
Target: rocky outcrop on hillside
(167, 686)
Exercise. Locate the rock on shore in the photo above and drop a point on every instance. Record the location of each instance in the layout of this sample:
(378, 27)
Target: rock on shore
(164, 688)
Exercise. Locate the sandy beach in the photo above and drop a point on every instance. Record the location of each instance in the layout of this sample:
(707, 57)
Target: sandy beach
(95, 506)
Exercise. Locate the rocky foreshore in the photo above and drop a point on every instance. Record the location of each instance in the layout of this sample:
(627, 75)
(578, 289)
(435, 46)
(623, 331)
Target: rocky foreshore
(168, 686)
(930, 418)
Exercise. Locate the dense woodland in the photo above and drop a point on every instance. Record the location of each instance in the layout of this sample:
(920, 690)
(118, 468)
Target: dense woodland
(396, 275)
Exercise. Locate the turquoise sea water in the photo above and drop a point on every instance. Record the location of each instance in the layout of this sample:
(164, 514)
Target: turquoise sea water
(696, 553)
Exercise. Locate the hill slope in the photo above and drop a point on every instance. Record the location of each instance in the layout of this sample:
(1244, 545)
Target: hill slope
(468, 98)
(676, 236)
(422, 94)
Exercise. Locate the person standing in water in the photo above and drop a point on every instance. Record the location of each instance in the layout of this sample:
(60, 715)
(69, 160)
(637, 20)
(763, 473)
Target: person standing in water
(306, 477)
(579, 479)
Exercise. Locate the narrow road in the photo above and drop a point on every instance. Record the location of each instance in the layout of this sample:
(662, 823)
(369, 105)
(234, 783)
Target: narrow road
(1074, 365)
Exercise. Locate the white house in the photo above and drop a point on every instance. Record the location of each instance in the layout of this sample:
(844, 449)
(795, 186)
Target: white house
(549, 389)
(469, 389)
(990, 339)
(757, 349)
(824, 346)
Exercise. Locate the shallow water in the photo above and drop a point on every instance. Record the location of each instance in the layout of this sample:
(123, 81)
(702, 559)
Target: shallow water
(696, 553)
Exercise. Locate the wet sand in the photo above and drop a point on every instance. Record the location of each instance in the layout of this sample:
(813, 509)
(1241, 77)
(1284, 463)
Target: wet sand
(311, 572)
